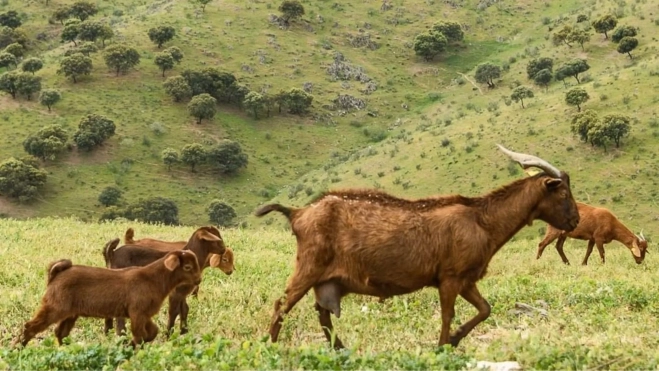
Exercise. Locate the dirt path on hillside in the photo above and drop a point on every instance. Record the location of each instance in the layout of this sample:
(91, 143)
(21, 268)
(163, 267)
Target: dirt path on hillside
(472, 82)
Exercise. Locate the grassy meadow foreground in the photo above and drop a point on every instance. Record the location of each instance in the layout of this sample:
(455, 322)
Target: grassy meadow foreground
(597, 316)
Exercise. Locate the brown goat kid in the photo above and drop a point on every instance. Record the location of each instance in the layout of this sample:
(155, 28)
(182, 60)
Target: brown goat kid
(598, 226)
(224, 261)
(370, 243)
(203, 242)
(74, 291)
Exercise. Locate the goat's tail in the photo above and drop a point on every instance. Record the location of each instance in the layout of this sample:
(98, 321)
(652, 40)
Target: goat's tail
(108, 251)
(56, 267)
(129, 237)
(287, 211)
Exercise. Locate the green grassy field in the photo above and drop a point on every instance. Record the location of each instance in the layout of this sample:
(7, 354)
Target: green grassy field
(597, 316)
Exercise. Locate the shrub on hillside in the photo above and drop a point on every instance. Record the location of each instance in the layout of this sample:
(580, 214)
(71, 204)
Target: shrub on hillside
(21, 179)
(220, 213)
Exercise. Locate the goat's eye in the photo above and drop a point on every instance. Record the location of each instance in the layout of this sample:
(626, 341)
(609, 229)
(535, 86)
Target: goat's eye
(224, 260)
(187, 268)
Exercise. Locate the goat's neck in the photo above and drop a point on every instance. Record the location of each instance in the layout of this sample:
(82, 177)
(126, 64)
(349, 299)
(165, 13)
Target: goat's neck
(162, 279)
(624, 235)
(198, 249)
(505, 215)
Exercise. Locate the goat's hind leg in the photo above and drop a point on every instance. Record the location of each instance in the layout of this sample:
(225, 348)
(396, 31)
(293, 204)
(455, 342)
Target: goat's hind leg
(471, 294)
(64, 328)
(298, 286)
(448, 292)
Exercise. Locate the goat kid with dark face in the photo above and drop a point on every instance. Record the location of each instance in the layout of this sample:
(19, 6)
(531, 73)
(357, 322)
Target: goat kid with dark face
(370, 243)
(76, 291)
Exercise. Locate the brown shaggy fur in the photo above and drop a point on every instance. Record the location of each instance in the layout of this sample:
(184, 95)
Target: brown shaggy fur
(370, 243)
(203, 242)
(598, 226)
(81, 291)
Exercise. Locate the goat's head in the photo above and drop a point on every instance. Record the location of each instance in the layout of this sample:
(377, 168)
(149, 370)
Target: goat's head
(211, 238)
(184, 265)
(557, 207)
(639, 248)
(224, 262)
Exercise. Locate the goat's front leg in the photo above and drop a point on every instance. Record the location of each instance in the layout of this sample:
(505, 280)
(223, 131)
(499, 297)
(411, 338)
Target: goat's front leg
(174, 311)
(591, 243)
(151, 331)
(138, 326)
(185, 308)
(471, 294)
(559, 248)
(448, 291)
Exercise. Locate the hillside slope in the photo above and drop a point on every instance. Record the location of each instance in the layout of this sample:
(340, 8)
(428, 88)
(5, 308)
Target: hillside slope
(301, 156)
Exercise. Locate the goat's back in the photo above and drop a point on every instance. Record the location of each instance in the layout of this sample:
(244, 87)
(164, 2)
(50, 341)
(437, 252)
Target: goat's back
(133, 255)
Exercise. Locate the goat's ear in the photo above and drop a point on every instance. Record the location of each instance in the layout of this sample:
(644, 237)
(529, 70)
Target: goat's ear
(553, 183)
(215, 260)
(172, 262)
(636, 251)
(206, 236)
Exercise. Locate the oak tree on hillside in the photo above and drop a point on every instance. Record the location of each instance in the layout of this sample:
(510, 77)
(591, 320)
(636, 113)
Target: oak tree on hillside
(161, 34)
(429, 44)
(120, 58)
(86, 48)
(110, 196)
(520, 93)
(486, 73)
(562, 36)
(75, 66)
(49, 97)
(617, 127)
(164, 61)
(202, 106)
(20, 180)
(28, 84)
(105, 34)
(576, 97)
(9, 36)
(46, 143)
(153, 210)
(254, 102)
(71, 31)
(62, 13)
(227, 157)
(7, 60)
(543, 78)
(605, 24)
(169, 157)
(10, 19)
(573, 68)
(177, 87)
(220, 213)
(83, 10)
(291, 9)
(537, 64)
(92, 131)
(580, 37)
(32, 65)
(598, 136)
(297, 100)
(452, 31)
(582, 122)
(90, 30)
(626, 45)
(176, 53)
(16, 49)
(623, 31)
(9, 83)
(193, 155)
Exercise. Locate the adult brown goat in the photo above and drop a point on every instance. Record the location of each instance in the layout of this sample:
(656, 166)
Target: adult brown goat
(137, 293)
(203, 242)
(598, 226)
(371, 243)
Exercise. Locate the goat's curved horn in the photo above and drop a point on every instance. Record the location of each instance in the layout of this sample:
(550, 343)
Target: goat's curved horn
(531, 161)
(641, 236)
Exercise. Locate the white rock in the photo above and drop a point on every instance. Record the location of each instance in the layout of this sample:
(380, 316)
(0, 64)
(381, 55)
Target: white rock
(498, 366)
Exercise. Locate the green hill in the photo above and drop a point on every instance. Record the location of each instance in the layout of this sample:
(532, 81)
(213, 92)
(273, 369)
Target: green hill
(439, 126)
